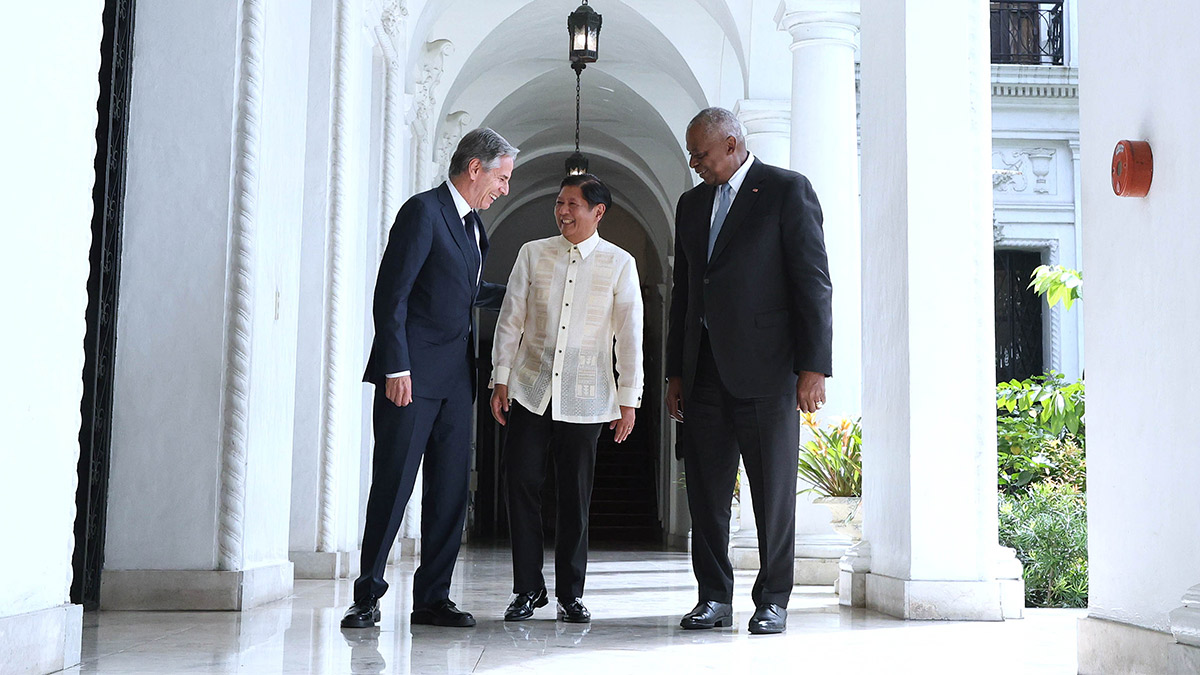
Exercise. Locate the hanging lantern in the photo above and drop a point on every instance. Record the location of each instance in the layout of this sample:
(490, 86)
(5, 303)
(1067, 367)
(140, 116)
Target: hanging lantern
(577, 164)
(583, 27)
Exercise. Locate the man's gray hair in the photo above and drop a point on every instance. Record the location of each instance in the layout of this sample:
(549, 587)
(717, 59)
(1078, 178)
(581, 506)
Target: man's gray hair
(719, 120)
(483, 144)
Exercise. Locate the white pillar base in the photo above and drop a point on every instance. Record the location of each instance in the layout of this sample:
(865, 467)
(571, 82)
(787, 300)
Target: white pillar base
(1115, 648)
(852, 575)
(1185, 620)
(325, 564)
(924, 600)
(1011, 577)
(817, 557)
(195, 589)
(45, 641)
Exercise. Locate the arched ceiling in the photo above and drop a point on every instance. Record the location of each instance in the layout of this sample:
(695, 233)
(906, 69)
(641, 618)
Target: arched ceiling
(660, 62)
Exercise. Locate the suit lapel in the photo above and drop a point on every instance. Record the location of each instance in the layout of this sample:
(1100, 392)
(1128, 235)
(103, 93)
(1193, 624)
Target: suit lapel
(747, 195)
(457, 230)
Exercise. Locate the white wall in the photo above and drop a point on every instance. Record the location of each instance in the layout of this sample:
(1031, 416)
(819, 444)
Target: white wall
(165, 485)
(1143, 313)
(47, 188)
(310, 339)
(281, 171)
(170, 337)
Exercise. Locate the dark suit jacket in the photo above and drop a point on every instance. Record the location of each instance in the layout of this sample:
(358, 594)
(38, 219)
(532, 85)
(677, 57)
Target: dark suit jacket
(765, 293)
(424, 295)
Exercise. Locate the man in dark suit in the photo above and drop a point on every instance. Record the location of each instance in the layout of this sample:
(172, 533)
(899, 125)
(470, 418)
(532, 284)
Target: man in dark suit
(422, 364)
(749, 343)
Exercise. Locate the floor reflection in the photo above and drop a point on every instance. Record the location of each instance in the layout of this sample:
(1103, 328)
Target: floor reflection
(636, 599)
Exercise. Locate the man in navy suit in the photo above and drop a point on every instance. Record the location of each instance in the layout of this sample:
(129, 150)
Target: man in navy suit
(749, 344)
(423, 367)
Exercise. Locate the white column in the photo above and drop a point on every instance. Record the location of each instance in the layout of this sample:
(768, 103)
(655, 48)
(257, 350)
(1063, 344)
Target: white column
(929, 403)
(206, 349)
(47, 187)
(824, 147)
(768, 124)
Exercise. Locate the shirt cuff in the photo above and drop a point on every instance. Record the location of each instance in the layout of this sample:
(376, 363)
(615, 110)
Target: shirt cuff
(403, 373)
(629, 397)
(500, 375)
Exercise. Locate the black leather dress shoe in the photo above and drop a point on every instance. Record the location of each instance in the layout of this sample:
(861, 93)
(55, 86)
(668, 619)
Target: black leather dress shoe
(708, 614)
(768, 619)
(574, 612)
(442, 613)
(522, 606)
(362, 614)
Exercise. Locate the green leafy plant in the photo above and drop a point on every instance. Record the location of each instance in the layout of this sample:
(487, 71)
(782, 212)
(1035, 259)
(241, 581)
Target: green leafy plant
(1047, 527)
(1047, 400)
(1040, 425)
(832, 460)
(1057, 284)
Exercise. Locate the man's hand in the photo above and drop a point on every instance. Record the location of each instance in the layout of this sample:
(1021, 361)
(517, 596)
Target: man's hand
(810, 391)
(500, 404)
(399, 390)
(625, 424)
(675, 398)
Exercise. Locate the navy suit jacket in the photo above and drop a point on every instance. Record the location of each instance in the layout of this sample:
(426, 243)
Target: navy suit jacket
(765, 293)
(424, 296)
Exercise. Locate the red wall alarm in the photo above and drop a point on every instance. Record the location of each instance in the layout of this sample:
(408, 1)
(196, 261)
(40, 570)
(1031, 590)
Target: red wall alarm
(1132, 168)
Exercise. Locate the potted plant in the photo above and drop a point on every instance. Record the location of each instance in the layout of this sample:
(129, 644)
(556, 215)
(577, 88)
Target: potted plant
(832, 464)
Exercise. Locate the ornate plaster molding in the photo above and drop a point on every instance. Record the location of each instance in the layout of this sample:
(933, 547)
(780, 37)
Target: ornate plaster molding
(394, 13)
(429, 75)
(331, 380)
(390, 35)
(1017, 166)
(455, 126)
(239, 290)
(1019, 81)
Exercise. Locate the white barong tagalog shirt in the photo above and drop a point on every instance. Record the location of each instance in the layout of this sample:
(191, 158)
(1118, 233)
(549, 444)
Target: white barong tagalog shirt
(567, 306)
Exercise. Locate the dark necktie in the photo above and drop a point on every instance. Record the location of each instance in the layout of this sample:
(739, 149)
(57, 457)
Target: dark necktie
(470, 222)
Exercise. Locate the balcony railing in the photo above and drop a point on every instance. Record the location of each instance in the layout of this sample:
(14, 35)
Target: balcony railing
(1027, 31)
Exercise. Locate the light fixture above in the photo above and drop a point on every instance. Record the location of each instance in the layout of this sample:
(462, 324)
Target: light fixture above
(583, 29)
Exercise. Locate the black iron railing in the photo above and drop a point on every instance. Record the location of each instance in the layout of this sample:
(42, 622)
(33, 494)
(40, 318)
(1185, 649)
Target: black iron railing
(1027, 31)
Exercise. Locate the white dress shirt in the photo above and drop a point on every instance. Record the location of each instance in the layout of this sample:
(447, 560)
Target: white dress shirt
(735, 184)
(463, 208)
(566, 307)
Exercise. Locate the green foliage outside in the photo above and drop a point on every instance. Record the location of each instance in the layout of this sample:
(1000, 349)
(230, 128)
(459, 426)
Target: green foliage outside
(832, 460)
(1040, 430)
(1047, 526)
(1057, 284)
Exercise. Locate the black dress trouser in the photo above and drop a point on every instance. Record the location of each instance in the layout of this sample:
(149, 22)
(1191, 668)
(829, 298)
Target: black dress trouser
(531, 440)
(438, 429)
(767, 432)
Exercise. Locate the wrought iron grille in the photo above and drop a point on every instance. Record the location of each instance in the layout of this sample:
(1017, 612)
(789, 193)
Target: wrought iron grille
(1026, 31)
(1018, 317)
(108, 195)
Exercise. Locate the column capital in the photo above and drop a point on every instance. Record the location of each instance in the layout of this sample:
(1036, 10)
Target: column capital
(765, 115)
(819, 21)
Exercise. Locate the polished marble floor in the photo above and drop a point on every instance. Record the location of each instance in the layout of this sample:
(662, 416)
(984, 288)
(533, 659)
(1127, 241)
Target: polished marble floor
(636, 598)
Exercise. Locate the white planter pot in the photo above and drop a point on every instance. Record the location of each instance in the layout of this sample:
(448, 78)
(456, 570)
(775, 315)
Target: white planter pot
(847, 515)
